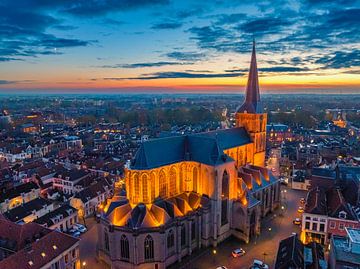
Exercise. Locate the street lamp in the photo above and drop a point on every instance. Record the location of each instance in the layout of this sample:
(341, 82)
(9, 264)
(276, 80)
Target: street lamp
(214, 254)
(83, 264)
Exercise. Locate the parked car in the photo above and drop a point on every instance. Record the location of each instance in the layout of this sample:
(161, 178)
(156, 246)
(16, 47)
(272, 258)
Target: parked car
(238, 252)
(81, 228)
(297, 221)
(257, 264)
(72, 230)
(75, 234)
(300, 209)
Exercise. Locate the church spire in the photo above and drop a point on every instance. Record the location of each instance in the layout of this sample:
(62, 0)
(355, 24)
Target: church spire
(252, 102)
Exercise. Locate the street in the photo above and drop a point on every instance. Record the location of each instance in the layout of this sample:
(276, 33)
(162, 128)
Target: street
(88, 247)
(274, 229)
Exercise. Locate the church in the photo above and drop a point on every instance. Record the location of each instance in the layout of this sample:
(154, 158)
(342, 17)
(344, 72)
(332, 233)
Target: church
(192, 191)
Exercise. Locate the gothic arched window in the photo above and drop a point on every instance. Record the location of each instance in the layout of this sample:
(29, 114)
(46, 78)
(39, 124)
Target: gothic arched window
(195, 179)
(137, 187)
(145, 186)
(124, 248)
(182, 178)
(148, 248)
(170, 239)
(153, 187)
(162, 184)
(183, 235)
(172, 181)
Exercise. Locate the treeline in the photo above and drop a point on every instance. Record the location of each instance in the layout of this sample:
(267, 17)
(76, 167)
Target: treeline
(300, 117)
(156, 116)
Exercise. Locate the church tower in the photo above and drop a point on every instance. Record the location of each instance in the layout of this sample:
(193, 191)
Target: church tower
(250, 114)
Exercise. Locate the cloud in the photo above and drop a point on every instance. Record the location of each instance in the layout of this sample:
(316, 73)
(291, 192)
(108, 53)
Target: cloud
(140, 65)
(96, 8)
(23, 32)
(5, 82)
(274, 69)
(340, 59)
(174, 75)
(264, 26)
(186, 56)
(168, 24)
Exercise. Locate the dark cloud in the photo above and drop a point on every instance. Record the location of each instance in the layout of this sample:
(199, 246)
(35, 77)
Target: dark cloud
(264, 26)
(141, 65)
(167, 25)
(186, 56)
(231, 18)
(5, 82)
(110, 21)
(23, 33)
(275, 69)
(173, 75)
(96, 8)
(340, 59)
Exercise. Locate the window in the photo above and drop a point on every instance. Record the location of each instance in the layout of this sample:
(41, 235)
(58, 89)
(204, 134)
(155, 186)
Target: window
(307, 225)
(183, 235)
(170, 240)
(173, 180)
(341, 226)
(124, 248)
(307, 218)
(107, 245)
(148, 248)
(314, 226)
(66, 258)
(73, 253)
(162, 184)
(145, 188)
(193, 232)
(195, 179)
(342, 215)
(322, 227)
(332, 224)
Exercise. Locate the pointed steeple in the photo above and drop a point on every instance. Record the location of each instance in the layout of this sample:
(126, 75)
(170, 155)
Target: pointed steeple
(252, 102)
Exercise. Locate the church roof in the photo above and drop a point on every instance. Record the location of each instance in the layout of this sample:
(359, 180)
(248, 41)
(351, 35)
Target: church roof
(205, 148)
(252, 102)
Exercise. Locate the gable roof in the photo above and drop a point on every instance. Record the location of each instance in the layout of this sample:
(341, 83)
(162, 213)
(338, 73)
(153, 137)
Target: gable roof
(290, 253)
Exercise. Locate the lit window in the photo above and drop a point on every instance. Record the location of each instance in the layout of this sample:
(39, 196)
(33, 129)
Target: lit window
(31, 263)
(54, 247)
(43, 254)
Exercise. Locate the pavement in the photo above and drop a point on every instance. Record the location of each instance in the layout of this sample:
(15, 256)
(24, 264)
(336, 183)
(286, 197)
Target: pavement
(274, 228)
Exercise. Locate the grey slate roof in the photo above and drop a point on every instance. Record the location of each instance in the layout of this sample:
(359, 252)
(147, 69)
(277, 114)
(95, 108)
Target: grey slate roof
(205, 148)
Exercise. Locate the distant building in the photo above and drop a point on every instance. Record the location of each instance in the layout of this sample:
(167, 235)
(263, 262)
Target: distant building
(278, 133)
(33, 246)
(18, 195)
(63, 218)
(345, 250)
(293, 254)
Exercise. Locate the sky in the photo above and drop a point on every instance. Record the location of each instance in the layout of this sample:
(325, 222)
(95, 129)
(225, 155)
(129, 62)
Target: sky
(100, 46)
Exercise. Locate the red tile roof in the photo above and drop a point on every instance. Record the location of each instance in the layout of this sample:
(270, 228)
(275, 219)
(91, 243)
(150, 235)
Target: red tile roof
(46, 245)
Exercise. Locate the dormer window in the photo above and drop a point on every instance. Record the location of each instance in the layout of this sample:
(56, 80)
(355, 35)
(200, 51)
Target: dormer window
(342, 215)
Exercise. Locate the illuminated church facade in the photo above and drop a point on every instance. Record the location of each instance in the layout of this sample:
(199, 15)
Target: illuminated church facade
(192, 191)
